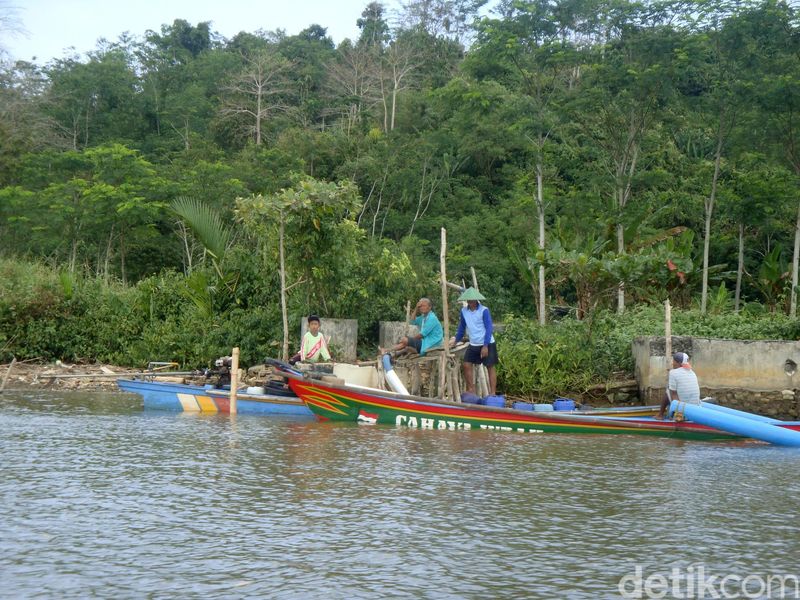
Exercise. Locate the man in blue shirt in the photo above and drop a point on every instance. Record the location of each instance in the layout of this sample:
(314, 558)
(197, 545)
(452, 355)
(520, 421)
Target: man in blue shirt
(431, 334)
(477, 322)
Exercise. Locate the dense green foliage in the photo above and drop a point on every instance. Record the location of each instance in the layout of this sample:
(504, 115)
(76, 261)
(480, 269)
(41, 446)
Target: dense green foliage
(583, 157)
(44, 315)
(570, 355)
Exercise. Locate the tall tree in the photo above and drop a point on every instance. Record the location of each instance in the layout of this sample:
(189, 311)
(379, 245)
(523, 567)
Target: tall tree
(774, 36)
(373, 25)
(258, 91)
(525, 49)
(623, 87)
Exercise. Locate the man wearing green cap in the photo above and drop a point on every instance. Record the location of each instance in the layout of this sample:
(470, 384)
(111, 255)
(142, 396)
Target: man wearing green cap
(477, 321)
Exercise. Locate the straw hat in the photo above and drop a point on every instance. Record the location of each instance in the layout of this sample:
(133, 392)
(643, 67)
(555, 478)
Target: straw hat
(471, 294)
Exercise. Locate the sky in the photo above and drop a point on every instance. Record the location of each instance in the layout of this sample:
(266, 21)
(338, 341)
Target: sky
(53, 26)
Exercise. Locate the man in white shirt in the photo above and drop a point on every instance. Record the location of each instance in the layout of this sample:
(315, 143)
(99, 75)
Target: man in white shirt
(683, 383)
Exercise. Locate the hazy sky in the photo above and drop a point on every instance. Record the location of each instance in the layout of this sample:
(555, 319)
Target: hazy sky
(54, 25)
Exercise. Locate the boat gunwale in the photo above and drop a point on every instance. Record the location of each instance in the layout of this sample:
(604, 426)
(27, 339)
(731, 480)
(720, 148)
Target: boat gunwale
(218, 393)
(554, 416)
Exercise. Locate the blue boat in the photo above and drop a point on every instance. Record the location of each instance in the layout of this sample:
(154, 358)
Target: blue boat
(182, 397)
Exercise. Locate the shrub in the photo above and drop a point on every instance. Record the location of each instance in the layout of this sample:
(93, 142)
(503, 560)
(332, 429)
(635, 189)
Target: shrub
(567, 356)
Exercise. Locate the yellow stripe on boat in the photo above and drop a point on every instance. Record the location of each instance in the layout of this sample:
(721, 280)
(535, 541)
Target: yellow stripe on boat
(188, 402)
(206, 404)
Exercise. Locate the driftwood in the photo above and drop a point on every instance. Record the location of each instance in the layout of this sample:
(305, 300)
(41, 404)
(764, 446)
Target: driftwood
(125, 375)
(8, 372)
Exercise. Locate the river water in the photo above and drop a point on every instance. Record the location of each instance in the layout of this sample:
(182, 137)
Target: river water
(101, 499)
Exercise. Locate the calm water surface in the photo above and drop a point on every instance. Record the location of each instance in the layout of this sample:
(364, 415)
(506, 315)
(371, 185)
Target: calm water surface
(100, 499)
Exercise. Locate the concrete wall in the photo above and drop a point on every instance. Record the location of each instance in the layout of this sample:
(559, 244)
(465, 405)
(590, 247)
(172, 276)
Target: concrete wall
(389, 332)
(742, 365)
(343, 334)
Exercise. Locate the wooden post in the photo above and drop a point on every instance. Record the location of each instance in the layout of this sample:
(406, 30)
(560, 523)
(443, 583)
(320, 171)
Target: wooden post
(8, 372)
(668, 338)
(481, 374)
(284, 311)
(446, 318)
(407, 327)
(381, 373)
(668, 333)
(482, 383)
(234, 378)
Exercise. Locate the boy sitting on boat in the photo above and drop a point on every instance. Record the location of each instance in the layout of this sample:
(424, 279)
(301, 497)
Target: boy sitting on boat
(313, 346)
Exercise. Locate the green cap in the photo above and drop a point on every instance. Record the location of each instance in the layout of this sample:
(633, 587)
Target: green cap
(471, 294)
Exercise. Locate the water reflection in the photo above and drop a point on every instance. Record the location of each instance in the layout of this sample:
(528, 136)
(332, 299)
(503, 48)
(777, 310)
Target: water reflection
(100, 498)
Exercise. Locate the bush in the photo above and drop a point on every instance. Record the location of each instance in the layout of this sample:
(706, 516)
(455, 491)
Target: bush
(568, 356)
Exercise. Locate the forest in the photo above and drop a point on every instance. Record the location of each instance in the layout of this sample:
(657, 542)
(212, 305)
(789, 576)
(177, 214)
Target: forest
(589, 159)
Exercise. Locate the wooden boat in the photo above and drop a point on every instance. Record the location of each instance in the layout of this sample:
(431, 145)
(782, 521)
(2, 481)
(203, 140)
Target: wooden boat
(332, 401)
(181, 397)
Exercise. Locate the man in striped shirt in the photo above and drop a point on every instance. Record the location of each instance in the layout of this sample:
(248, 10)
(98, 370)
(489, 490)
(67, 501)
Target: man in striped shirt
(682, 383)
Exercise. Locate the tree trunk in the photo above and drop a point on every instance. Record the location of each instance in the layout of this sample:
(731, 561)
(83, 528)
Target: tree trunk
(183, 234)
(795, 260)
(86, 128)
(385, 106)
(394, 108)
(73, 255)
(540, 210)
(621, 285)
(709, 206)
(624, 179)
(122, 255)
(157, 110)
(284, 312)
(739, 269)
(107, 261)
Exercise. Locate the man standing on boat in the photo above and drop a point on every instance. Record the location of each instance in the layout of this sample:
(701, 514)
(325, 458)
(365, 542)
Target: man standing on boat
(683, 383)
(431, 334)
(477, 321)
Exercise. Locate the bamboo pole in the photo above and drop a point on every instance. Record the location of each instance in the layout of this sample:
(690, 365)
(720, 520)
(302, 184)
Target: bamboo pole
(446, 318)
(234, 378)
(8, 372)
(474, 278)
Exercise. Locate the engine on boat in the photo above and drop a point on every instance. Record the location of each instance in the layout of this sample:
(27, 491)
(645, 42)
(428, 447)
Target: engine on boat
(221, 370)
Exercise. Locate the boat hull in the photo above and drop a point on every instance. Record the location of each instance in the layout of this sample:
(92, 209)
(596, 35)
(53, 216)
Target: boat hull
(332, 402)
(178, 397)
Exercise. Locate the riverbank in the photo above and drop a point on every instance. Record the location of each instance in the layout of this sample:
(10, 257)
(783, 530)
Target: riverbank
(33, 375)
(58, 375)
(30, 375)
